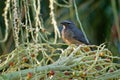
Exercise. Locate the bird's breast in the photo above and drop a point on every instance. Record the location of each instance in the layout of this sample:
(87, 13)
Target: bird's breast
(68, 37)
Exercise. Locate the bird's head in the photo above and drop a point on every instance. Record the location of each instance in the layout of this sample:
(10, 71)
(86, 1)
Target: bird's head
(67, 23)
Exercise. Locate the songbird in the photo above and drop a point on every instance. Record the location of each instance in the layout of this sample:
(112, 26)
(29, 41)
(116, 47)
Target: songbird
(71, 34)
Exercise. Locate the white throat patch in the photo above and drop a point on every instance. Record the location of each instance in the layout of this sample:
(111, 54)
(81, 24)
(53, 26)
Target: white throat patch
(64, 27)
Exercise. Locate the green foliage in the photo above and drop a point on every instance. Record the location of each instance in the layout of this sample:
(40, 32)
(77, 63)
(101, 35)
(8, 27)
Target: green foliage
(32, 45)
(75, 62)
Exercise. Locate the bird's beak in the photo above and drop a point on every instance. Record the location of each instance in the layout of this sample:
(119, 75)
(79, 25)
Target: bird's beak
(63, 24)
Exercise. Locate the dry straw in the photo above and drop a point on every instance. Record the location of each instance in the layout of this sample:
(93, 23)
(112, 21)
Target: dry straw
(33, 59)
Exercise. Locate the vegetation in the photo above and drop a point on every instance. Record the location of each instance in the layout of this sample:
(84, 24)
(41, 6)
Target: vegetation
(31, 47)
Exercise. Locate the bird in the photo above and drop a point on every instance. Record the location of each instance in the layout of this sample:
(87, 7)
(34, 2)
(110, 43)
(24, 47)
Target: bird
(71, 34)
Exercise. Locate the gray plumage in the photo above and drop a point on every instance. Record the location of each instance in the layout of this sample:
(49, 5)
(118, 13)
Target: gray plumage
(71, 34)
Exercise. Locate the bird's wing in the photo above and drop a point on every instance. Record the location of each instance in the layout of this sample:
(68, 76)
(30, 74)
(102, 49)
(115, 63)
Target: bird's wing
(78, 35)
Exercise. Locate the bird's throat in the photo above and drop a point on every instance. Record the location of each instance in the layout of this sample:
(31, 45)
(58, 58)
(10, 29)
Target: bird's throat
(64, 27)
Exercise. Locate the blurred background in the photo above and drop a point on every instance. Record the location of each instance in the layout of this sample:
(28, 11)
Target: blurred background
(97, 18)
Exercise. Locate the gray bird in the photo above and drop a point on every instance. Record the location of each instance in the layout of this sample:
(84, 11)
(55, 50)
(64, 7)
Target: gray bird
(71, 34)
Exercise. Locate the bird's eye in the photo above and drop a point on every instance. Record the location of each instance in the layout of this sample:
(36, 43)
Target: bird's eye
(68, 23)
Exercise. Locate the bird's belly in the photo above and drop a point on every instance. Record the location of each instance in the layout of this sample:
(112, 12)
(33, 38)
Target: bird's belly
(67, 36)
